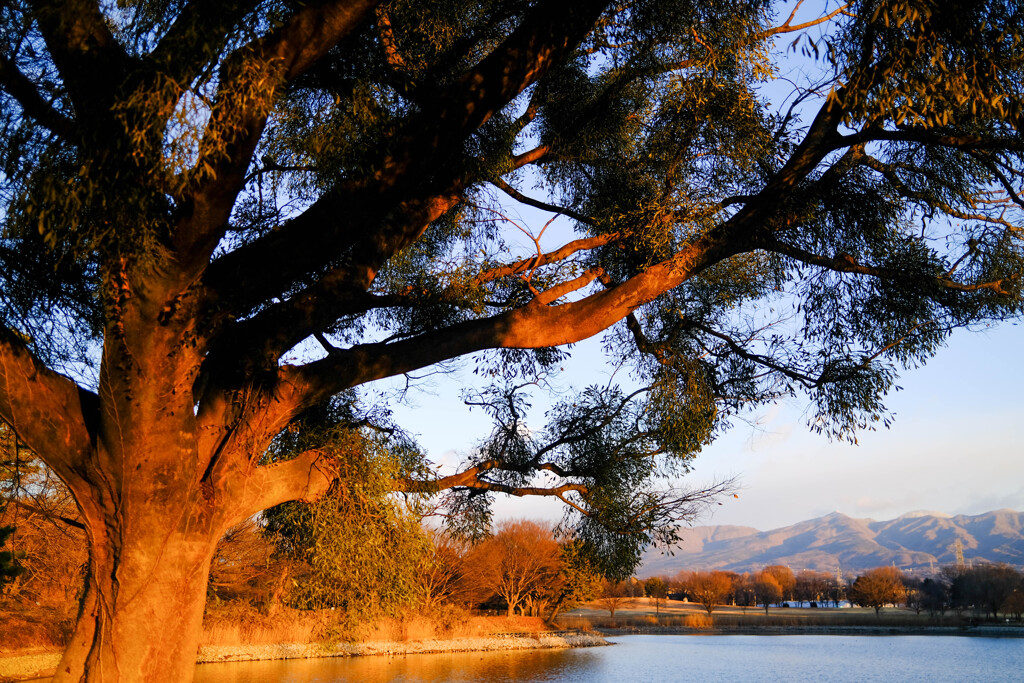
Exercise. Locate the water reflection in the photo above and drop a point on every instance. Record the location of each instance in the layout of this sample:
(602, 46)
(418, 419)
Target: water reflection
(463, 667)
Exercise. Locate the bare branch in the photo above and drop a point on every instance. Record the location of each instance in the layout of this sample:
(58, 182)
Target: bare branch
(537, 204)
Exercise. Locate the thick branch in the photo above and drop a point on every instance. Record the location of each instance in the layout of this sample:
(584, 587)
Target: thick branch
(304, 478)
(532, 326)
(548, 258)
(472, 478)
(53, 416)
(18, 86)
(241, 108)
(341, 291)
(790, 27)
(549, 32)
(91, 62)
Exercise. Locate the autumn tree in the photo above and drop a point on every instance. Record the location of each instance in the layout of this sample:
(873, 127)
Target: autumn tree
(522, 557)
(577, 581)
(785, 578)
(710, 589)
(934, 596)
(1015, 602)
(990, 585)
(811, 586)
(877, 588)
(767, 590)
(443, 574)
(218, 215)
(744, 591)
(613, 595)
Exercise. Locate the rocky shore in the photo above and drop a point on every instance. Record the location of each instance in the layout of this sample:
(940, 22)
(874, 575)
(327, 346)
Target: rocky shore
(38, 665)
(243, 653)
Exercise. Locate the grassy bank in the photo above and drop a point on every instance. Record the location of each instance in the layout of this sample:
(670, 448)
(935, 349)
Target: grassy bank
(31, 628)
(31, 637)
(640, 615)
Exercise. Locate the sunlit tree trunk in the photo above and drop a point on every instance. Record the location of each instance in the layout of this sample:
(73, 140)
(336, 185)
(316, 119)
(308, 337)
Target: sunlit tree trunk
(141, 622)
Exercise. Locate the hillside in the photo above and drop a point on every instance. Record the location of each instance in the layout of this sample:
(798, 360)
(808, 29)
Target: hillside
(917, 540)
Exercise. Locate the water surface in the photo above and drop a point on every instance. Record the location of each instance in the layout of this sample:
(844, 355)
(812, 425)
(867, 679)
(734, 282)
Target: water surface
(738, 659)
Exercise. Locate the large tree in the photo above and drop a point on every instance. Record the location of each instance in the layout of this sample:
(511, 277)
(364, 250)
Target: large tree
(878, 587)
(219, 215)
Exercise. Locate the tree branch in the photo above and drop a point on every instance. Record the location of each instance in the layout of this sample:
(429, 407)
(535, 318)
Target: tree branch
(845, 263)
(91, 62)
(249, 80)
(48, 412)
(199, 32)
(23, 90)
(48, 515)
(537, 204)
(560, 254)
(532, 326)
(304, 478)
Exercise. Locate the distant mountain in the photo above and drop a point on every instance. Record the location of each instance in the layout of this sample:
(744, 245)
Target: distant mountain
(916, 541)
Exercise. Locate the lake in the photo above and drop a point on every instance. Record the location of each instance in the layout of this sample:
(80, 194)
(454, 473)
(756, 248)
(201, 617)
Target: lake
(738, 659)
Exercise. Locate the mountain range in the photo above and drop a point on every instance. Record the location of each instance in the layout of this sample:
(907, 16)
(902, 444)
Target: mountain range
(916, 541)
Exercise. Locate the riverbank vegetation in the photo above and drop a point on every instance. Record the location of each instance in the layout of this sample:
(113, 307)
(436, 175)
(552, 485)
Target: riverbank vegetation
(640, 615)
(969, 593)
(326, 571)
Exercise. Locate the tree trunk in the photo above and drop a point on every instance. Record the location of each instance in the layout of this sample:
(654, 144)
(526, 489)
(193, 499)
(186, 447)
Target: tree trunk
(141, 625)
(555, 609)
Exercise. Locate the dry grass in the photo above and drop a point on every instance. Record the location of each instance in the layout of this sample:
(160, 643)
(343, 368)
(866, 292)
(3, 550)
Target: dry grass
(237, 623)
(240, 624)
(639, 614)
(30, 628)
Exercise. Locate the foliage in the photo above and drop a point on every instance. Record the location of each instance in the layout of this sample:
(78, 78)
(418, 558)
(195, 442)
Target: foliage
(578, 580)
(517, 563)
(10, 568)
(707, 588)
(41, 527)
(360, 549)
(784, 577)
(767, 590)
(877, 588)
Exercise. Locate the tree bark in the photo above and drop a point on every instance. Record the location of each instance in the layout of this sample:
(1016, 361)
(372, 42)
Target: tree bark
(140, 625)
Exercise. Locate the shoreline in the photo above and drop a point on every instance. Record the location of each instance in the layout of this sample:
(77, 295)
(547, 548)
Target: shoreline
(981, 631)
(43, 664)
(36, 665)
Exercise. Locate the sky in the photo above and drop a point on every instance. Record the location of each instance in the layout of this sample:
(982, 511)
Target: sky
(956, 445)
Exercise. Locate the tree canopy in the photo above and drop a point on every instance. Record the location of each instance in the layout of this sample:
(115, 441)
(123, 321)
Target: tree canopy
(218, 216)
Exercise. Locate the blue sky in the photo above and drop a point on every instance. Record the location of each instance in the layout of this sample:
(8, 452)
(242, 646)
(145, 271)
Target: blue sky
(955, 445)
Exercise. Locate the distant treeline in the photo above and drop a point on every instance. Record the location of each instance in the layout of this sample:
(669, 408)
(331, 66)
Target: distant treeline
(989, 589)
